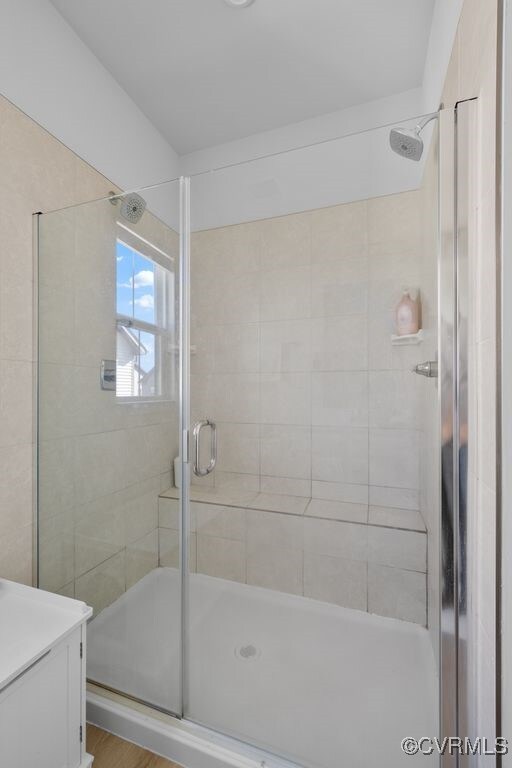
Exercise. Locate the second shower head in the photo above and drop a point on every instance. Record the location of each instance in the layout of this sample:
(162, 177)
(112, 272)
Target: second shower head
(407, 142)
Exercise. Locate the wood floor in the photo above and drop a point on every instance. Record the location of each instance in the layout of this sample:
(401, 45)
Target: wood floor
(112, 752)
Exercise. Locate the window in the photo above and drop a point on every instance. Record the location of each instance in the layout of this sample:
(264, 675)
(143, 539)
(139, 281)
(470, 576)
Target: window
(145, 319)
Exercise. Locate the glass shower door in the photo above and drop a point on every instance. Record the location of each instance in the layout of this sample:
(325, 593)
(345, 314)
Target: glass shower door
(308, 625)
(108, 431)
(251, 330)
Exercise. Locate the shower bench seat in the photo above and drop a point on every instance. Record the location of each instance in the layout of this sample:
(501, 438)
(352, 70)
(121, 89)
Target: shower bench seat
(306, 506)
(360, 556)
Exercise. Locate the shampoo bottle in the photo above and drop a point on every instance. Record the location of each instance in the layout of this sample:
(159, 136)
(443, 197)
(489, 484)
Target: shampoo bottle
(407, 314)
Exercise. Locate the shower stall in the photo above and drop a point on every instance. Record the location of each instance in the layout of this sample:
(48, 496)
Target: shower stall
(239, 468)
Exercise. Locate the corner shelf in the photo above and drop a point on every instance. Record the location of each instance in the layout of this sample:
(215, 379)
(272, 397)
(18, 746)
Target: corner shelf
(407, 340)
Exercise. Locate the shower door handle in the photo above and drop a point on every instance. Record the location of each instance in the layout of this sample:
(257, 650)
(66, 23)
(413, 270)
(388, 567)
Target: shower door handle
(196, 432)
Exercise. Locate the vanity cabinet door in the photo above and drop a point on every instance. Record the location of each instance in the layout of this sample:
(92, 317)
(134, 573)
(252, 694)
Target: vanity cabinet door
(40, 711)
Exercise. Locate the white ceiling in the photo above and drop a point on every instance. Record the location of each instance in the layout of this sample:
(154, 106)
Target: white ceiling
(205, 73)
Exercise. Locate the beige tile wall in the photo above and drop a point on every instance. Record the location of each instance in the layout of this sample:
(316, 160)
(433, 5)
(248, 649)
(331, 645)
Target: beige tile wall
(102, 467)
(292, 320)
(37, 174)
(103, 462)
(319, 416)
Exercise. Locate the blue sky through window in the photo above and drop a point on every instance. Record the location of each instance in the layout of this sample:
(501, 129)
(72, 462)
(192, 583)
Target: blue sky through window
(135, 284)
(124, 276)
(135, 296)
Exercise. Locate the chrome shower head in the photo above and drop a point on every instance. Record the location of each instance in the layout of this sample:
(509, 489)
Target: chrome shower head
(132, 206)
(406, 143)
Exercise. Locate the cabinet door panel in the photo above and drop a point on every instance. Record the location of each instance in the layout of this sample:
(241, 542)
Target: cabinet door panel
(40, 712)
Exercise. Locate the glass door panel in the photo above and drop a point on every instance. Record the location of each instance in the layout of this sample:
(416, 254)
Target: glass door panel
(108, 432)
(307, 618)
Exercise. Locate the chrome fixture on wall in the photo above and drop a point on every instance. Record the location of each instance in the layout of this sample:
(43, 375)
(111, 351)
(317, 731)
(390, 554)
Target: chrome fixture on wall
(132, 206)
(428, 368)
(407, 142)
(108, 370)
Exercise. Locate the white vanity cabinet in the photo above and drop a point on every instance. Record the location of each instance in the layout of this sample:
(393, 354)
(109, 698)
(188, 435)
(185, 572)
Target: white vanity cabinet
(42, 679)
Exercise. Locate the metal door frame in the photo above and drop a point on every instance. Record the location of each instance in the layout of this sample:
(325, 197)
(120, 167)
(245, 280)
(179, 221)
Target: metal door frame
(457, 130)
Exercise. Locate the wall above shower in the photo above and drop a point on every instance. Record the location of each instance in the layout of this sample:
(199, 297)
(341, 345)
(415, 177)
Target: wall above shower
(105, 124)
(205, 75)
(358, 166)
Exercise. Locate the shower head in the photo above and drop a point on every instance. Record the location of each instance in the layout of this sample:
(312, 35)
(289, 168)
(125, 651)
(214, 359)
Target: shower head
(407, 142)
(132, 206)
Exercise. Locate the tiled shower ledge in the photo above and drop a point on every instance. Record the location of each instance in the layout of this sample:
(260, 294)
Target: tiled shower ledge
(305, 506)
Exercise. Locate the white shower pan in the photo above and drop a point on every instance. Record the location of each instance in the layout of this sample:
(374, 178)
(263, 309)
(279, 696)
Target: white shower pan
(259, 664)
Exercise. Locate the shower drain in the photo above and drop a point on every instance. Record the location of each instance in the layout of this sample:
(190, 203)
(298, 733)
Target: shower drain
(247, 652)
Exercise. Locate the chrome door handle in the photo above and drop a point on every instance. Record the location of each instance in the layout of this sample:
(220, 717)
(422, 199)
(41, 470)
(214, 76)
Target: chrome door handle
(429, 369)
(198, 470)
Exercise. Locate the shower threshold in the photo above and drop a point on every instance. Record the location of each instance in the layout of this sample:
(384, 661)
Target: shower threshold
(321, 685)
(180, 740)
